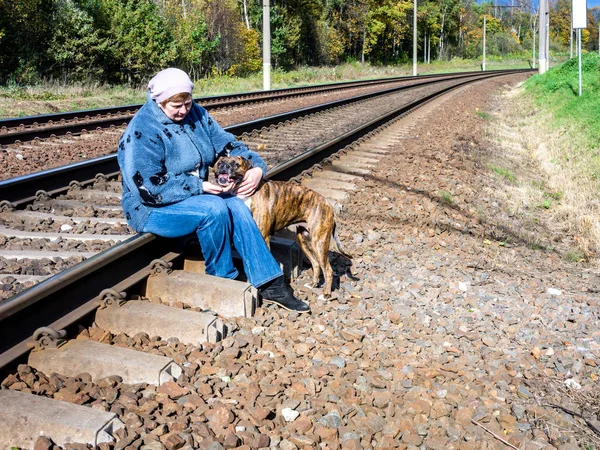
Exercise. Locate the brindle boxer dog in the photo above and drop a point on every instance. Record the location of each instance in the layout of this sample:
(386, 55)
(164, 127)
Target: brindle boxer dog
(277, 204)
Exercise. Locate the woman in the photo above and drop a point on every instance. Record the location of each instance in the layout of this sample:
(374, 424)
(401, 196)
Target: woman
(165, 154)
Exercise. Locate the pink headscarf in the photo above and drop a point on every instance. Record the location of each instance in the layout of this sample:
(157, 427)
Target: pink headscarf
(169, 82)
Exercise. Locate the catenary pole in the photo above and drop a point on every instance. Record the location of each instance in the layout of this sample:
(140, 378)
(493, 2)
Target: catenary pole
(429, 49)
(533, 50)
(425, 48)
(266, 46)
(542, 40)
(571, 40)
(547, 34)
(484, 27)
(415, 38)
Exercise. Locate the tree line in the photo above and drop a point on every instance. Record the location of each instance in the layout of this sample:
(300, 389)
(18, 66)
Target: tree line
(126, 41)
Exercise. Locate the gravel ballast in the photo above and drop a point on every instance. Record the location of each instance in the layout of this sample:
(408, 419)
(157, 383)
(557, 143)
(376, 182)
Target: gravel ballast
(447, 332)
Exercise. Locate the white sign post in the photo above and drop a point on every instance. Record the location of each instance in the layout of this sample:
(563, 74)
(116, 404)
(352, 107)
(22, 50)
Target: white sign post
(542, 52)
(579, 22)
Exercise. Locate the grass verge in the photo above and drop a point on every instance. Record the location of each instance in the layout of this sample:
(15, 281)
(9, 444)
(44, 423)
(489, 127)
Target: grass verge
(550, 139)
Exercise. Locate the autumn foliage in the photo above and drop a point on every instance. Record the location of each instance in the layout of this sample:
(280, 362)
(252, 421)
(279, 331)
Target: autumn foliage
(125, 41)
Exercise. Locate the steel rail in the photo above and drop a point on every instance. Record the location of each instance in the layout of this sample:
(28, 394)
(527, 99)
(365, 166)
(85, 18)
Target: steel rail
(96, 124)
(66, 298)
(219, 100)
(23, 190)
(107, 122)
(302, 162)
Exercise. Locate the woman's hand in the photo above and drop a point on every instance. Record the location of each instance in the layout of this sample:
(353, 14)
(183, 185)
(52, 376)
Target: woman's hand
(210, 188)
(250, 183)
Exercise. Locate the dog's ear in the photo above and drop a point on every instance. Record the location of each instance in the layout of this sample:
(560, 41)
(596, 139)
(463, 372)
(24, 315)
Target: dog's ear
(247, 162)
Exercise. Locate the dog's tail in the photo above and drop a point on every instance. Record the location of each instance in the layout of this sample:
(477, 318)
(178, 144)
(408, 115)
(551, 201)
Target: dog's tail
(338, 244)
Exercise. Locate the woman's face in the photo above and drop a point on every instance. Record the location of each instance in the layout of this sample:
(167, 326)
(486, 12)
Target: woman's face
(177, 110)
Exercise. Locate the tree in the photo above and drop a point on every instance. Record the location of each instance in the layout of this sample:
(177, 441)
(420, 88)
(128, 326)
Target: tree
(194, 46)
(285, 38)
(249, 59)
(560, 22)
(353, 22)
(129, 40)
(75, 49)
(593, 24)
(24, 29)
(223, 28)
(140, 42)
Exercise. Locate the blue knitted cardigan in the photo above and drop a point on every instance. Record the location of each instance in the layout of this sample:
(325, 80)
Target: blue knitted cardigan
(164, 162)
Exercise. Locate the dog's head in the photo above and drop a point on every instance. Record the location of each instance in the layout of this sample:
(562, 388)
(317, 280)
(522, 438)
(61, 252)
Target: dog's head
(231, 169)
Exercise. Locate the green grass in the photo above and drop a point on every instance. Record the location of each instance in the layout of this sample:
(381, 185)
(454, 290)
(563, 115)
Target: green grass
(484, 115)
(557, 91)
(555, 195)
(19, 101)
(505, 173)
(447, 197)
(546, 203)
(550, 198)
(574, 255)
(537, 246)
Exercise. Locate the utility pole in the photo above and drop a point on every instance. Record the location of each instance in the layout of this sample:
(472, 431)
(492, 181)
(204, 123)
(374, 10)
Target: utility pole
(571, 39)
(415, 38)
(484, 27)
(266, 46)
(429, 50)
(542, 42)
(547, 34)
(533, 50)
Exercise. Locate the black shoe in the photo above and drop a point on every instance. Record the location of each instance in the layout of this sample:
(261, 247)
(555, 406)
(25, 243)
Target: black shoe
(279, 293)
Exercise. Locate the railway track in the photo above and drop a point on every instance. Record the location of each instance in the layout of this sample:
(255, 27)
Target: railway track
(43, 153)
(135, 277)
(24, 129)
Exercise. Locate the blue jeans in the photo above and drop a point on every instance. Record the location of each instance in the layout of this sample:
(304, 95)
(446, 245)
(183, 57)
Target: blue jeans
(216, 220)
